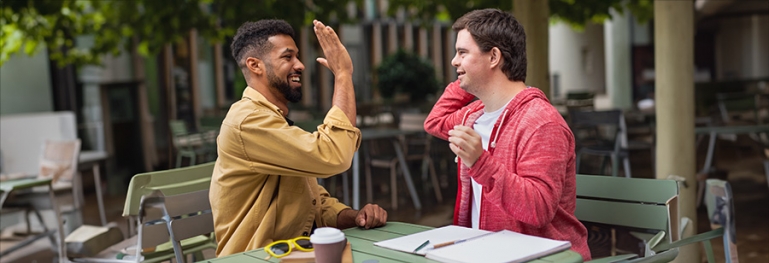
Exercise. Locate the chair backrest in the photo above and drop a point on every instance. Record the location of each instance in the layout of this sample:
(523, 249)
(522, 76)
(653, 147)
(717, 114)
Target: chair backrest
(737, 102)
(591, 127)
(168, 182)
(178, 127)
(417, 145)
(582, 100)
(59, 159)
(647, 205)
(179, 217)
(412, 121)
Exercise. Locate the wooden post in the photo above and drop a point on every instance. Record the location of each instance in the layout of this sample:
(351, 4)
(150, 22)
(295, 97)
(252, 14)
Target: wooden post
(534, 15)
(674, 100)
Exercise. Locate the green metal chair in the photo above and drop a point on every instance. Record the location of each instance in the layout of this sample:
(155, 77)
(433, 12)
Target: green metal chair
(182, 217)
(160, 183)
(191, 145)
(720, 206)
(647, 208)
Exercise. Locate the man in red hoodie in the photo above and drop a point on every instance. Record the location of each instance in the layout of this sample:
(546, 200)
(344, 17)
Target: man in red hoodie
(515, 152)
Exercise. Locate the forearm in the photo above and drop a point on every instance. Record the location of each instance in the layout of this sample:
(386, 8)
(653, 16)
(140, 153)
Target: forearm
(346, 218)
(447, 111)
(344, 95)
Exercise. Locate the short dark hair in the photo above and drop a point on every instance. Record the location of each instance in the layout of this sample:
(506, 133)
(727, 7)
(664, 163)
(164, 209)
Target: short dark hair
(251, 38)
(495, 28)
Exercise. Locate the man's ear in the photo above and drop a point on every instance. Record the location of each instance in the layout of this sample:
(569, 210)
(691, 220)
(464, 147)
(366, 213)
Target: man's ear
(254, 65)
(495, 58)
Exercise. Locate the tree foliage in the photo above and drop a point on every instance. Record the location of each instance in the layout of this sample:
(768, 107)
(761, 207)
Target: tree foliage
(574, 12)
(56, 24)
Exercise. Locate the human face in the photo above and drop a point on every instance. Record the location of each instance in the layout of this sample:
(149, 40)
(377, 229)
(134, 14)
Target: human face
(283, 68)
(470, 63)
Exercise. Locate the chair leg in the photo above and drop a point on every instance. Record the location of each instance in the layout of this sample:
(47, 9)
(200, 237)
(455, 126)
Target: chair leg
(197, 256)
(369, 190)
(178, 160)
(766, 170)
(394, 185)
(602, 168)
(434, 178)
(42, 223)
(614, 165)
(626, 165)
(578, 161)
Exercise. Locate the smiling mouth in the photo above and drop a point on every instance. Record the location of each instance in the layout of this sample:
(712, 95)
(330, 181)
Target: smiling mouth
(295, 78)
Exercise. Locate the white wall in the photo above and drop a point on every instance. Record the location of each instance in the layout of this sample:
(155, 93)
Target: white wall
(578, 58)
(25, 84)
(742, 48)
(206, 78)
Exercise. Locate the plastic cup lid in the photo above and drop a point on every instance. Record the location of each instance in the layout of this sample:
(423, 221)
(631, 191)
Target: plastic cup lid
(326, 235)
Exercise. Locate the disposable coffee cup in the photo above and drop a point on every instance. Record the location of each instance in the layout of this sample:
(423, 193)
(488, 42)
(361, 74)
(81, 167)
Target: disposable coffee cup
(329, 244)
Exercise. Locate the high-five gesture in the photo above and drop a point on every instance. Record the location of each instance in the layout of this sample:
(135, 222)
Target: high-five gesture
(337, 58)
(339, 62)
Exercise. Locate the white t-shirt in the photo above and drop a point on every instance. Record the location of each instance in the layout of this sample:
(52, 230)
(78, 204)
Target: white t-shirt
(483, 127)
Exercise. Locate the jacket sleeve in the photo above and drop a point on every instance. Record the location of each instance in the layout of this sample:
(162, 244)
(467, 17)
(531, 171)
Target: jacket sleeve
(531, 195)
(273, 147)
(448, 111)
(330, 208)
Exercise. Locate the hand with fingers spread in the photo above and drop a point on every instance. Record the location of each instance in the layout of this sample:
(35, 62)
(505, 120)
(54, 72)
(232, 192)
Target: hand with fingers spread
(337, 59)
(465, 143)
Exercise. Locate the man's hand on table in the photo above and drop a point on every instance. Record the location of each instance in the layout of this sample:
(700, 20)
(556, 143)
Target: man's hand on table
(369, 216)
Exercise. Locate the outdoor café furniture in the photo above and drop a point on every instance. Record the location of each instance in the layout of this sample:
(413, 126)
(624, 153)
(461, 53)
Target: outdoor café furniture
(90, 160)
(713, 132)
(588, 127)
(26, 184)
(165, 183)
(384, 133)
(363, 249)
(415, 148)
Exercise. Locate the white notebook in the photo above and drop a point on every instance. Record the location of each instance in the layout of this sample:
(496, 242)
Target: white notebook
(502, 246)
(476, 245)
(439, 235)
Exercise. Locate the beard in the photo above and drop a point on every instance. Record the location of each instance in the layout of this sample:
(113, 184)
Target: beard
(282, 85)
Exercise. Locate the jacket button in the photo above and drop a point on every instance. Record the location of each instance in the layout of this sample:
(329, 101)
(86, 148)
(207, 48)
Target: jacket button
(313, 201)
(305, 233)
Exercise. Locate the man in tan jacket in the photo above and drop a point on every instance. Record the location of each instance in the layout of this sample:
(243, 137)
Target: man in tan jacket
(264, 187)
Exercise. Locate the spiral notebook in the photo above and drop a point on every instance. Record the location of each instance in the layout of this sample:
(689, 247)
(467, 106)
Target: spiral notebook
(477, 245)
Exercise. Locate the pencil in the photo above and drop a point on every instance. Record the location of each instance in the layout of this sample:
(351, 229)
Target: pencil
(446, 244)
(422, 246)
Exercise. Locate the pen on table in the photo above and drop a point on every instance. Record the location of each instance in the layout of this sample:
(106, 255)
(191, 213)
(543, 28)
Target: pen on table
(446, 244)
(422, 246)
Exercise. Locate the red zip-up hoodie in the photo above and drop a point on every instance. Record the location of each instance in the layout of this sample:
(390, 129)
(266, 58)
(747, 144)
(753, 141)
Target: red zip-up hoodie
(528, 172)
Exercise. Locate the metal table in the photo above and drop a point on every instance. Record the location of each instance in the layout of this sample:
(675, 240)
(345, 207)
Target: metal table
(363, 249)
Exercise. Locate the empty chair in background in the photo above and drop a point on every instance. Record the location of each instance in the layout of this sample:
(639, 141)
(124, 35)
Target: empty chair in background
(416, 147)
(191, 145)
(600, 133)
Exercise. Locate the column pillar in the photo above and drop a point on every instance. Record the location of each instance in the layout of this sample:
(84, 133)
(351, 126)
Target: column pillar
(618, 60)
(534, 15)
(674, 100)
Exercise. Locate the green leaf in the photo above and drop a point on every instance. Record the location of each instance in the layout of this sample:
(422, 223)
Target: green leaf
(143, 48)
(30, 47)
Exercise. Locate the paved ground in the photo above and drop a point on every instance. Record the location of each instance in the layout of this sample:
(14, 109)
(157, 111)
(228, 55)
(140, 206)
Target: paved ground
(742, 162)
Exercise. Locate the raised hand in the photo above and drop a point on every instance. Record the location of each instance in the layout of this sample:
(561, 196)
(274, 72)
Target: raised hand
(465, 143)
(337, 59)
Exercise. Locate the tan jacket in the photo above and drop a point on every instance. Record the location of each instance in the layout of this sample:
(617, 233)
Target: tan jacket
(264, 186)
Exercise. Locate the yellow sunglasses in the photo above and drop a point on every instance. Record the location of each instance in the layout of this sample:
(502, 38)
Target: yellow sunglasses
(282, 248)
